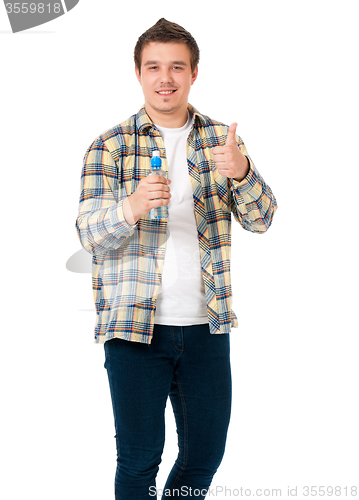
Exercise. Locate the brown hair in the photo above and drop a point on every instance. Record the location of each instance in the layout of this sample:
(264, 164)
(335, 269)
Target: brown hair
(165, 31)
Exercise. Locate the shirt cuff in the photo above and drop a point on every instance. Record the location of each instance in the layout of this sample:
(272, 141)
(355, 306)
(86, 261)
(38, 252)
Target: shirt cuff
(117, 218)
(250, 184)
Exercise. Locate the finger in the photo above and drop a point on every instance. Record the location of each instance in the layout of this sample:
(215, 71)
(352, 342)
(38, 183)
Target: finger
(219, 150)
(156, 182)
(222, 172)
(231, 137)
(155, 195)
(219, 159)
(156, 178)
(162, 188)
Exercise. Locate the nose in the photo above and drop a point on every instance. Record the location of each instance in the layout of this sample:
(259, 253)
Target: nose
(166, 76)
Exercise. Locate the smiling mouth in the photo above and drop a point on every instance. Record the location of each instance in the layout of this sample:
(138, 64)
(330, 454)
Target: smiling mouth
(166, 92)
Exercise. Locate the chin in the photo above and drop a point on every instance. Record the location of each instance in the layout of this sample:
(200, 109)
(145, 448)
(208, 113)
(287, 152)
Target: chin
(165, 109)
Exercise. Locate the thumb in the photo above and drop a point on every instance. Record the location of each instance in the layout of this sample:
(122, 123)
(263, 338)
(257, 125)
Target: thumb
(231, 137)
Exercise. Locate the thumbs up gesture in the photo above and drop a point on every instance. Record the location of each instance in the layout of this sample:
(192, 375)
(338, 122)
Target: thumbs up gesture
(229, 160)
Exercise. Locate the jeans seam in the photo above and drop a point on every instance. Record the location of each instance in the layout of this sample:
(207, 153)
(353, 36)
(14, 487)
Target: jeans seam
(185, 445)
(110, 377)
(178, 349)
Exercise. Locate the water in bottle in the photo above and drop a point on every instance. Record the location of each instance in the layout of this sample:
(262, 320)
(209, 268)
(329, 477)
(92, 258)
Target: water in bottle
(156, 164)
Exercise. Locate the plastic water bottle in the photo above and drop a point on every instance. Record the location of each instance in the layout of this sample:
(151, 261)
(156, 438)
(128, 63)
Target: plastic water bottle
(156, 164)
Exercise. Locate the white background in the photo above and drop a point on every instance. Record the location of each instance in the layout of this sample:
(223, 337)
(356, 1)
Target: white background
(286, 71)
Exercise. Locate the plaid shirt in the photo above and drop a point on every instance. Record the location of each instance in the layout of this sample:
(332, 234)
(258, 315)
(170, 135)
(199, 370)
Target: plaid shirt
(128, 259)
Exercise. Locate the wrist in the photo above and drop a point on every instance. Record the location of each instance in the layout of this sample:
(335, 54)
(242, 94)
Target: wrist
(245, 172)
(130, 217)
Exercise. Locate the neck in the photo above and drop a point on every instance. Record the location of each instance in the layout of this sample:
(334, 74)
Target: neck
(168, 120)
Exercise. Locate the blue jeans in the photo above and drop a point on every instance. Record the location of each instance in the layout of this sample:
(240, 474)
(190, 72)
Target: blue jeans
(192, 367)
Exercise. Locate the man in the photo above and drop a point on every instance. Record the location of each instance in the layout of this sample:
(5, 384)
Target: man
(162, 287)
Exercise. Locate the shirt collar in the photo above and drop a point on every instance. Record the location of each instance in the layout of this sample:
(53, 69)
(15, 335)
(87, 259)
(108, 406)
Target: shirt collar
(143, 121)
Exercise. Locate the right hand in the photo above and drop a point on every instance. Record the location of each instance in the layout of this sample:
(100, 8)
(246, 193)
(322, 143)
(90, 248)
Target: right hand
(152, 191)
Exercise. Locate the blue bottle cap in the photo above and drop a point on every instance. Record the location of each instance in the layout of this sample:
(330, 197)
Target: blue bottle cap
(156, 161)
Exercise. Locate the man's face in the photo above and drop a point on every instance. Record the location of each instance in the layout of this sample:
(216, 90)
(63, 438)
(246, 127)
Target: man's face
(166, 78)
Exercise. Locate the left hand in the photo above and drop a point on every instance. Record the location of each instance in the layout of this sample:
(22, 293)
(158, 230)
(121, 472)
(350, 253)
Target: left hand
(229, 160)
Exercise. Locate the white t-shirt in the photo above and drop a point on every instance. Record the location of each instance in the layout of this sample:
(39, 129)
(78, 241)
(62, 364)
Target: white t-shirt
(181, 300)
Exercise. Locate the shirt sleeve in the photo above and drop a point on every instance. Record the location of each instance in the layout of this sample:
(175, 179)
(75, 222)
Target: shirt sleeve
(101, 225)
(252, 201)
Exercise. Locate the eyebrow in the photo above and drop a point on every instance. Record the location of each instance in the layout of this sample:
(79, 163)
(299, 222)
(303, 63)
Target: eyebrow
(179, 63)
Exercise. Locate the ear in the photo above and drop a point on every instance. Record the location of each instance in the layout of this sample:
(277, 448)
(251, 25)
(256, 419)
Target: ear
(137, 71)
(194, 75)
